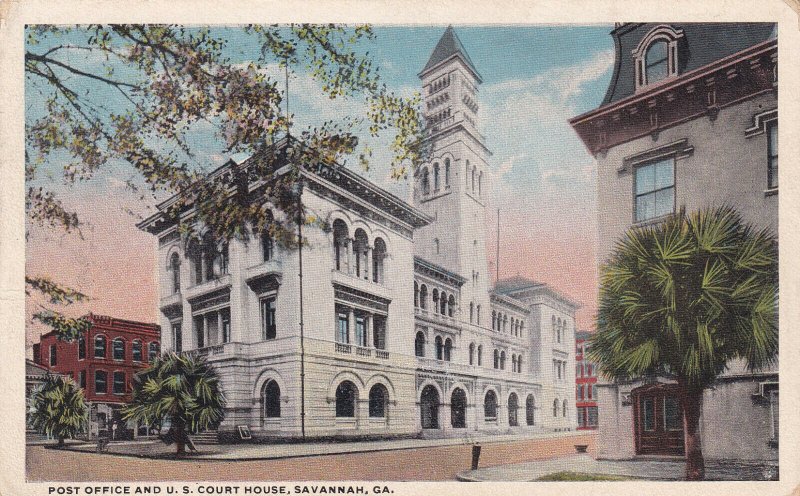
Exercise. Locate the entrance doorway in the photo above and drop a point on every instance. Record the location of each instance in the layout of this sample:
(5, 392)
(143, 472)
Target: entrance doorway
(429, 408)
(658, 421)
(458, 409)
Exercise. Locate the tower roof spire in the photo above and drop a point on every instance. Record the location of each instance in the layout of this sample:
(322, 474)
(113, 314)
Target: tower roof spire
(449, 46)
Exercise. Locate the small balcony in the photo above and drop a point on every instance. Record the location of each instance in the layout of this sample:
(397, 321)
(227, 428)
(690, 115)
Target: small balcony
(171, 303)
(360, 351)
(361, 284)
(210, 286)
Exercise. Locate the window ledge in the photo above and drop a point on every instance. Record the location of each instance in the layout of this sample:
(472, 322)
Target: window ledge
(653, 221)
(771, 192)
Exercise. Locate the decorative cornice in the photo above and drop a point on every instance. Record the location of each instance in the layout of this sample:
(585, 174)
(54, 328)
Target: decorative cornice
(678, 149)
(422, 266)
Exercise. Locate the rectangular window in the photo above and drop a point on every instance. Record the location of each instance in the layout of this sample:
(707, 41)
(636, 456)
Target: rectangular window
(82, 379)
(53, 355)
(581, 416)
(119, 382)
(672, 414)
(342, 322)
(199, 331)
(225, 317)
(118, 349)
(594, 391)
(177, 337)
(100, 382)
(772, 154)
(269, 329)
(591, 421)
(655, 190)
(81, 347)
(379, 332)
(361, 323)
(648, 414)
(589, 391)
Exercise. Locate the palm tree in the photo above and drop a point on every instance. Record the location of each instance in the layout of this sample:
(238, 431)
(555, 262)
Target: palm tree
(179, 388)
(684, 298)
(58, 408)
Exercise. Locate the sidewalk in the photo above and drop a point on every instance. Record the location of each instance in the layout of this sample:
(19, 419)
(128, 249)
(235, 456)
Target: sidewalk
(637, 469)
(263, 451)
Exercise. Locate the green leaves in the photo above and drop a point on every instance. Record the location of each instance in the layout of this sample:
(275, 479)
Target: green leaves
(688, 295)
(58, 408)
(180, 388)
(66, 328)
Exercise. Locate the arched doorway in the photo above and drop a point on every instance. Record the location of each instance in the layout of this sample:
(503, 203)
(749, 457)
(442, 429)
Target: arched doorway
(530, 408)
(458, 409)
(429, 408)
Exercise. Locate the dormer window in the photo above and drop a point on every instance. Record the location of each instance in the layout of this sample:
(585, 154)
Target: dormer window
(656, 57)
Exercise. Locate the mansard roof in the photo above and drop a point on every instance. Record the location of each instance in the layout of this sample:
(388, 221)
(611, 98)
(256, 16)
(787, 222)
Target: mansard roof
(705, 43)
(449, 47)
(333, 179)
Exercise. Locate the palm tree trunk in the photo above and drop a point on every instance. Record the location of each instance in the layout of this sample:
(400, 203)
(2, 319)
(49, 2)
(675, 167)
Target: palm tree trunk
(692, 404)
(180, 437)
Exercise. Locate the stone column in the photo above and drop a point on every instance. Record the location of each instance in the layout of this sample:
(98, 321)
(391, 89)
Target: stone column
(348, 268)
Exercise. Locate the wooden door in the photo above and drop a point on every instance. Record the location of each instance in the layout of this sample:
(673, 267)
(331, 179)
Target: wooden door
(658, 421)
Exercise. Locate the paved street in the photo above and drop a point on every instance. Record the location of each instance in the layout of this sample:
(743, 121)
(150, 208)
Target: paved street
(431, 463)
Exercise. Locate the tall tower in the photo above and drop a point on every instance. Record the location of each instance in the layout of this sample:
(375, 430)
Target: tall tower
(452, 186)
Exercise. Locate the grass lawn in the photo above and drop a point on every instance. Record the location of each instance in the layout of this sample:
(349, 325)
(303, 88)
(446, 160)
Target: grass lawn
(579, 476)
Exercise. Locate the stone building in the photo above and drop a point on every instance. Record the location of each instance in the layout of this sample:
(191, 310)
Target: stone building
(402, 332)
(690, 120)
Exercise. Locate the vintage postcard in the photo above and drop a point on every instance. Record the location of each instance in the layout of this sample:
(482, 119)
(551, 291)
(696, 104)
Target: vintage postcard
(254, 249)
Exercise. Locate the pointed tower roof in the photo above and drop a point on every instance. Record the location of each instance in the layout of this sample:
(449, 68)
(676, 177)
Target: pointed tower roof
(449, 46)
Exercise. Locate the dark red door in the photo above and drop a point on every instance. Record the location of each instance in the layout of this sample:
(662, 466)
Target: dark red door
(658, 420)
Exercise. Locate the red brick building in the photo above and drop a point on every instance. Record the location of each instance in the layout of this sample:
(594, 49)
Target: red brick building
(103, 362)
(585, 384)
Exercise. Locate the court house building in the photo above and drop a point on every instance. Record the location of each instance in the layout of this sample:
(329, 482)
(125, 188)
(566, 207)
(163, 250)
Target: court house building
(403, 331)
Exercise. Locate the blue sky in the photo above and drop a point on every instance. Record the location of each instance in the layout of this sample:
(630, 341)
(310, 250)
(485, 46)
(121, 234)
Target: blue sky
(534, 79)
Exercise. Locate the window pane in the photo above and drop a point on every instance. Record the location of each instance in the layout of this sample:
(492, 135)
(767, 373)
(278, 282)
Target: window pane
(664, 176)
(665, 202)
(656, 53)
(773, 139)
(645, 179)
(648, 414)
(645, 207)
(672, 414)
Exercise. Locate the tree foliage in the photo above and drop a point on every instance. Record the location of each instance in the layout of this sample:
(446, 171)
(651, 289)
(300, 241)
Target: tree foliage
(180, 388)
(687, 296)
(58, 408)
(108, 96)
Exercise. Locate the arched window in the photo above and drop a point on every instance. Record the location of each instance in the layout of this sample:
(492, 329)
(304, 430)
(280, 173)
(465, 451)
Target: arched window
(426, 185)
(118, 349)
(458, 408)
(496, 359)
(443, 304)
(136, 350)
(436, 245)
(448, 349)
(513, 362)
(530, 409)
(656, 62)
(423, 297)
(268, 246)
(471, 353)
(564, 408)
(378, 257)
(100, 347)
(478, 315)
(439, 344)
(436, 177)
(505, 323)
(346, 399)
(271, 400)
(471, 312)
(340, 241)
(473, 179)
(435, 300)
(466, 176)
(419, 344)
(360, 246)
(494, 320)
(480, 355)
(502, 360)
(490, 406)
(416, 294)
(152, 351)
(480, 183)
(451, 305)
(175, 269)
(513, 406)
(429, 408)
(378, 400)
(519, 364)
(447, 172)
(555, 407)
(656, 56)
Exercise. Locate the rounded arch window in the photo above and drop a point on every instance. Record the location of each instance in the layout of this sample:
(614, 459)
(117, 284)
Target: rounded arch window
(490, 405)
(447, 172)
(513, 406)
(530, 409)
(419, 344)
(175, 269)
(100, 347)
(471, 353)
(656, 61)
(436, 176)
(564, 409)
(378, 257)
(555, 407)
(340, 235)
(451, 305)
(360, 247)
(443, 304)
(448, 349)
(378, 400)
(346, 399)
(271, 399)
(423, 297)
(439, 343)
(425, 182)
(458, 408)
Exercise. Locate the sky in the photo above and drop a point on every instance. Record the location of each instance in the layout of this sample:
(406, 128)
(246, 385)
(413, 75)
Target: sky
(543, 180)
